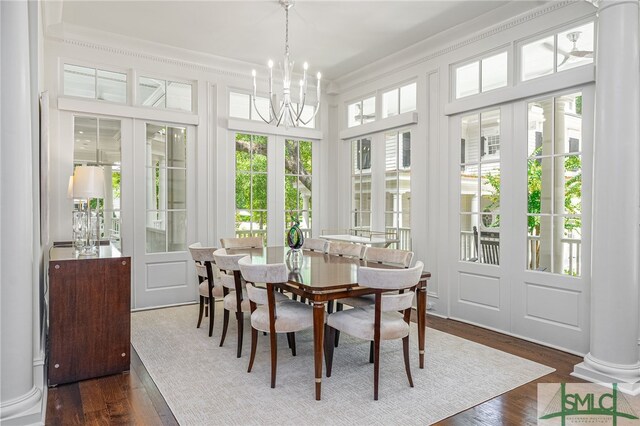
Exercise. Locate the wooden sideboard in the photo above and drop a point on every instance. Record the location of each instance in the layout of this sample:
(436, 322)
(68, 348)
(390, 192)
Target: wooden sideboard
(89, 314)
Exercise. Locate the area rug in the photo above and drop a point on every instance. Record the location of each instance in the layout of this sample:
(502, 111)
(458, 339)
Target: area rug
(205, 384)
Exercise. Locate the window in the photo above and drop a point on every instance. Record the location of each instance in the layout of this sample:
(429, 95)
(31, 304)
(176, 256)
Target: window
(361, 112)
(399, 101)
(481, 76)
(166, 170)
(164, 94)
(557, 52)
(297, 184)
(86, 82)
(251, 185)
(97, 142)
(554, 185)
(361, 184)
(480, 187)
(241, 106)
(397, 186)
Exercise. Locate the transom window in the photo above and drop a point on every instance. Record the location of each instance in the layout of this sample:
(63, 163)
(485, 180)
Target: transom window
(557, 52)
(361, 112)
(251, 185)
(399, 100)
(87, 82)
(241, 106)
(481, 76)
(554, 184)
(169, 94)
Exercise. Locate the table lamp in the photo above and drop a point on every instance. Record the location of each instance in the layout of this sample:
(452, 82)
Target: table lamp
(88, 183)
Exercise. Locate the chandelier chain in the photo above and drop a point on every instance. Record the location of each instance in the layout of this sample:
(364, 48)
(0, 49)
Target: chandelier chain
(286, 32)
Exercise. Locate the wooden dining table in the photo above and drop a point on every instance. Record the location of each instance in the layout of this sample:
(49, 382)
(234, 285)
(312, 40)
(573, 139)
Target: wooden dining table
(321, 278)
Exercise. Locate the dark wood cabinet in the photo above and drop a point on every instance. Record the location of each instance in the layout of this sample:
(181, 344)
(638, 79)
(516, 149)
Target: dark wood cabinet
(89, 314)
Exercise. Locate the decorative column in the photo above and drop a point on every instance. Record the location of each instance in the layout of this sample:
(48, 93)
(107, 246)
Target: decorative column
(21, 399)
(613, 355)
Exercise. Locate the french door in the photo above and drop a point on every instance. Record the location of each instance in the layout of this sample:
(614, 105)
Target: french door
(521, 198)
(164, 205)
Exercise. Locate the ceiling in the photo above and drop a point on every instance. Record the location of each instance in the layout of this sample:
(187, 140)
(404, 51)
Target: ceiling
(335, 37)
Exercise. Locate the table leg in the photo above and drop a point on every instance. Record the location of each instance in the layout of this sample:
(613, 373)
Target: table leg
(318, 341)
(422, 312)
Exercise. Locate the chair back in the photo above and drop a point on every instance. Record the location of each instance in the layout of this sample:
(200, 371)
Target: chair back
(316, 244)
(490, 252)
(347, 249)
(242, 243)
(201, 254)
(390, 279)
(227, 262)
(272, 273)
(389, 256)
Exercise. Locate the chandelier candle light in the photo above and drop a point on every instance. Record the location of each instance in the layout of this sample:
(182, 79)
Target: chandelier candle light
(287, 113)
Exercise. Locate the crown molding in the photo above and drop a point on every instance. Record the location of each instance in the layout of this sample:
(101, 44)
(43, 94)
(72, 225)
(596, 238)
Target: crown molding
(348, 82)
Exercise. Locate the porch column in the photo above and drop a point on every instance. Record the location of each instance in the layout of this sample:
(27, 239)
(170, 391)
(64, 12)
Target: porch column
(21, 398)
(614, 355)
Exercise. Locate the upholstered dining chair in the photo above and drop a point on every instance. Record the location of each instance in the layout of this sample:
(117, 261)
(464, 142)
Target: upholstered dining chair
(270, 315)
(242, 242)
(316, 244)
(209, 285)
(339, 248)
(382, 321)
(234, 292)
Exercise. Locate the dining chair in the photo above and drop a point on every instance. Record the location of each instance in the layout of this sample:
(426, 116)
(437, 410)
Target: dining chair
(339, 248)
(382, 321)
(208, 274)
(234, 292)
(242, 242)
(270, 315)
(316, 244)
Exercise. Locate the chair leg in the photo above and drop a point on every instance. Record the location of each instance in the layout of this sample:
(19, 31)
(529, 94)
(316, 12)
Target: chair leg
(200, 311)
(292, 342)
(212, 311)
(240, 318)
(407, 367)
(376, 368)
(329, 336)
(371, 352)
(289, 340)
(274, 357)
(225, 325)
(338, 309)
(206, 306)
(294, 296)
(330, 307)
(254, 344)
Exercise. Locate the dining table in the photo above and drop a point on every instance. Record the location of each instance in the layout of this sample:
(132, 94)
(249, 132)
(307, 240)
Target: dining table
(321, 278)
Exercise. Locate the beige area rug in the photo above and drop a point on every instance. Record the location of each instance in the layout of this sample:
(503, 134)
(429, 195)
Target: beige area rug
(205, 384)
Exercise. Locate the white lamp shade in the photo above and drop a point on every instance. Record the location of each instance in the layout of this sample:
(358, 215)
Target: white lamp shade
(70, 188)
(88, 182)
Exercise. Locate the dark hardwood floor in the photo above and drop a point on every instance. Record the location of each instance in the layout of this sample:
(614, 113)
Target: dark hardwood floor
(133, 398)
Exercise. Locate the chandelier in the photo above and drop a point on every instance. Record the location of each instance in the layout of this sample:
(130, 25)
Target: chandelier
(286, 112)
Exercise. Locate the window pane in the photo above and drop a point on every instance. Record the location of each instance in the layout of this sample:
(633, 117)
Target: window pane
(291, 157)
(176, 188)
(177, 147)
(537, 58)
(489, 241)
(259, 191)
(109, 141)
(85, 138)
(369, 110)
(390, 103)
(467, 80)
(156, 232)
(355, 192)
(391, 193)
(177, 230)
(468, 189)
(568, 187)
(494, 72)
(290, 194)
(239, 105)
(262, 105)
(405, 150)
(259, 154)
(307, 113)
(490, 138)
(306, 150)
(468, 250)
(391, 151)
(112, 86)
(470, 142)
(540, 133)
(151, 92)
(567, 251)
(408, 98)
(490, 186)
(568, 123)
(79, 81)
(156, 145)
(243, 190)
(539, 185)
(179, 95)
(243, 156)
(354, 114)
(366, 193)
(575, 47)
